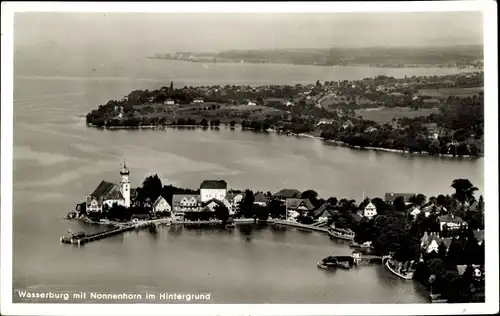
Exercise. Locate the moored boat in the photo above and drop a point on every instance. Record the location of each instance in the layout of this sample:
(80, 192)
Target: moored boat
(405, 276)
(341, 233)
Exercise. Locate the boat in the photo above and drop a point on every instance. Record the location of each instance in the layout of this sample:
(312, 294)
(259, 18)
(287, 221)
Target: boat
(340, 233)
(331, 262)
(72, 238)
(406, 276)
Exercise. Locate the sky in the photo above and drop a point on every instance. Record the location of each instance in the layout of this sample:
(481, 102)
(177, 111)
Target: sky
(170, 32)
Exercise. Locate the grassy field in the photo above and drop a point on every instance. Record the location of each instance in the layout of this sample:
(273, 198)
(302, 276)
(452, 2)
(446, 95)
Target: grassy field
(444, 93)
(384, 115)
(224, 112)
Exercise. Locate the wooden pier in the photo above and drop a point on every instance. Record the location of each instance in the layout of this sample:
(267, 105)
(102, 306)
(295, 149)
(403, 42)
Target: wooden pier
(83, 239)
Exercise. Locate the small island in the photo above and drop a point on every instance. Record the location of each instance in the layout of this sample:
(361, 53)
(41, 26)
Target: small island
(437, 241)
(435, 115)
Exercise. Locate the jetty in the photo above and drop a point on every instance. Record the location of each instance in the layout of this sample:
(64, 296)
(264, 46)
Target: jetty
(297, 225)
(82, 238)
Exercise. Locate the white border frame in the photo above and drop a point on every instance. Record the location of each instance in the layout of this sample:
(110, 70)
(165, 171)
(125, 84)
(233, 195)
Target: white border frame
(489, 9)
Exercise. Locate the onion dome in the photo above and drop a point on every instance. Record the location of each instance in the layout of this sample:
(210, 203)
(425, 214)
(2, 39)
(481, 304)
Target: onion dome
(124, 171)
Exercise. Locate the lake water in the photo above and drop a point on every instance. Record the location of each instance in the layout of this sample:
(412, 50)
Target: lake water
(58, 161)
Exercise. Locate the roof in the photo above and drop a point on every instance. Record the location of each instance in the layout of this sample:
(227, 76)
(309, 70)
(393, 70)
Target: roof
(296, 203)
(428, 239)
(214, 184)
(177, 198)
(114, 194)
(158, 200)
(288, 193)
(213, 200)
(479, 235)
(325, 208)
(450, 218)
(390, 197)
(260, 198)
(370, 205)
(103, 189)
(231, 195)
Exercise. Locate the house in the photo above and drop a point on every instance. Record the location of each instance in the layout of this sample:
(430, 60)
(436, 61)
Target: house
(287, 194)
(370, 210)
(234, 199)
(198, 100)
(161, 205)
(182, 203)
(288, 103)
(325, 122)
(325, 210)
(347, 124)
(451, 222)
(390, 197)
(251, 103)
(430, 242)
(370, 129)
(479, 235)
(415, 211)
(260, 199)
(211, 205)
(107, 193)
(433, 134)
(294, 205)
(213, 189)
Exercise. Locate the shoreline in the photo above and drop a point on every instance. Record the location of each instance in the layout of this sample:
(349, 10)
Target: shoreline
(306, 135)
(382, 66)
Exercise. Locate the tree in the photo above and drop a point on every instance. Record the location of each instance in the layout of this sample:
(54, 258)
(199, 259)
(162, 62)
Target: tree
(204, 122)
(311, 195)
(420, 199)
(399, 204)
(222, 213)
(464, 189)
(442, 251)
(246, 207)
(151, 189)
(276, 209)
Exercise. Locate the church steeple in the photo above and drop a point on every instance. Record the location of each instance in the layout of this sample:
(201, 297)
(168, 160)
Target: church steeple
(124, 170)
(125, 184)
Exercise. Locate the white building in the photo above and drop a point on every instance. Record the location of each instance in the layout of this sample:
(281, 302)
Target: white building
(161, 205)
(370, 210)
(198, 100)
(433, 246)
(108, 194)
(213, 189)
(169, 102)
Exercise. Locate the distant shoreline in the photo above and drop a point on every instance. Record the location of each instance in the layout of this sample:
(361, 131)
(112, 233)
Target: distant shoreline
(229, 61)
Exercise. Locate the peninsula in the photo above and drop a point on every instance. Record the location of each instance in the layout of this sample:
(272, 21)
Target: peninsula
(460, 56)
(438, 241)
(436, 115)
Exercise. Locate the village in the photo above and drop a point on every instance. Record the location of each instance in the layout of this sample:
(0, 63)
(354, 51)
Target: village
(437, 115)
(409, 228)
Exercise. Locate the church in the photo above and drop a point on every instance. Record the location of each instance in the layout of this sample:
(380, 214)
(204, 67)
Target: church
(108, 193)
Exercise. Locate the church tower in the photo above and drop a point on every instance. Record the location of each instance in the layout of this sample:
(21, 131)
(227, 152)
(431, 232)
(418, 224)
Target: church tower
(125, 185)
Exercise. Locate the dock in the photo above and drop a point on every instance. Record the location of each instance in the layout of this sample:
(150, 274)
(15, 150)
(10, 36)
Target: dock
(83, 239)
(297, 225)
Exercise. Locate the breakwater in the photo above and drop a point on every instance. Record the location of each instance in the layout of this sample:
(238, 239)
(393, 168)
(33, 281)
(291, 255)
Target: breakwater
(297, 225)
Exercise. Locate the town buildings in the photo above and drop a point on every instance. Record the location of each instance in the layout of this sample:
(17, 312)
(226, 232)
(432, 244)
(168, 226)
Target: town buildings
(213, 189)
(107, 193)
